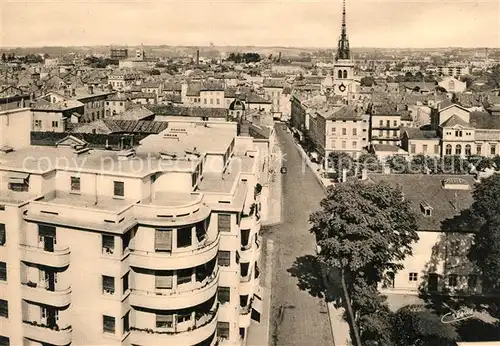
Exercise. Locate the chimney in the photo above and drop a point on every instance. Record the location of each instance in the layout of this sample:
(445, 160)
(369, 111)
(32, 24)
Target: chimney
(197, 57)
(91, 89)
(73, 92)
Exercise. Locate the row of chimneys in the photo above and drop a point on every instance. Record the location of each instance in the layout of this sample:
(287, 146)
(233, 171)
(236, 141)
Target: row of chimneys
(72, 92)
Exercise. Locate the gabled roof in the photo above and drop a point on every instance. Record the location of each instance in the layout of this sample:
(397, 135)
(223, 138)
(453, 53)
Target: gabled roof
(418, 134)
(455, 120)
(484, 120)
(71, 141)
(441, 106)
(134, 113)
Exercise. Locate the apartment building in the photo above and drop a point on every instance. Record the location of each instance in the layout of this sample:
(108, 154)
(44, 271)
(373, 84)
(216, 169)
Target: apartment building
(132, 247)
(208, 94)
(273, 89)
(339, 128)
(385, 124)
(458, 131)
(439, 258)
(120, 80)
(454, 70)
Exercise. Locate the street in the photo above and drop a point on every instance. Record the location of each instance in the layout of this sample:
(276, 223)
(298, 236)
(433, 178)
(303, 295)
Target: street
(299, 313)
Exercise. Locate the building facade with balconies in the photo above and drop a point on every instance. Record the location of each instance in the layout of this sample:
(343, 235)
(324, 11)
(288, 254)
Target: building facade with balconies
(132, 247)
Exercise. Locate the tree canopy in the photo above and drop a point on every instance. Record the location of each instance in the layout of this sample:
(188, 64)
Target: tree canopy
(244, 57)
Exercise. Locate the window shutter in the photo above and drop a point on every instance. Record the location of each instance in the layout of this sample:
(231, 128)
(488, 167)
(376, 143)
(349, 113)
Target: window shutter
(163, 240)
(163, 281)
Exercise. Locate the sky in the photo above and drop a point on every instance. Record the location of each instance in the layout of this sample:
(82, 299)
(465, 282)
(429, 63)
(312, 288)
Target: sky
(297, 23)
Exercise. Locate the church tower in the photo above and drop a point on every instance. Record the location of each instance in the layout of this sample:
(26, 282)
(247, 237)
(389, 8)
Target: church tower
(343, 67)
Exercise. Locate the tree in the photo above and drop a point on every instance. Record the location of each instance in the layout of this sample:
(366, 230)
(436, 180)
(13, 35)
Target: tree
(494, 76)
(367, 81)
(398, 164)
(419, 76)
(4, 58)
(370, 162)
(364, 230)
(339, 160)
(413, 325)
(483, 216)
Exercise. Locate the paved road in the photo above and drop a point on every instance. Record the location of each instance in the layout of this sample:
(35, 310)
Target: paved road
(299, 315)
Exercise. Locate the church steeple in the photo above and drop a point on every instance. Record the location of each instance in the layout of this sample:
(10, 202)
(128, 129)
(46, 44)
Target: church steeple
(343, 46)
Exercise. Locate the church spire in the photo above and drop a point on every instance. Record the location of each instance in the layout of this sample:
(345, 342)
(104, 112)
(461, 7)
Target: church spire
(343, 46)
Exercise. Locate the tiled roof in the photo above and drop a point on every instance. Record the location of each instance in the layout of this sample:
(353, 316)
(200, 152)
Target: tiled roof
(340, 113)
(416, 133)
(212, 86)
(455, 120)
(420, 85)
(171, 86)
(419, 188)
(193, 89)
(108, 126)
(143, 96)
(487, 135)
(387, 109)
(386, 147)
(484, 120)
(59, 106)
(168, 110)
(134, 113)
(444, 104)
(274, 83)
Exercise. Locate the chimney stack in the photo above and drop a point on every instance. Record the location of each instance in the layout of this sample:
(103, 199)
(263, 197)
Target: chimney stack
(73, 92)
(91, 89)
(197, 57)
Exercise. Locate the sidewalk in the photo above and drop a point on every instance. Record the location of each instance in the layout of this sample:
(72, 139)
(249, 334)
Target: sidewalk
(258, 332)
(340, 327)
(273, 197)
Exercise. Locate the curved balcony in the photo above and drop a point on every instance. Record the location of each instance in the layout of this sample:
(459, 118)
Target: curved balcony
(55, 259)
(248, 284)
(57, 298)
(44, 334)
(177, 259)
(203, 328)
(245, 316)
(182, 298)
(251, 251)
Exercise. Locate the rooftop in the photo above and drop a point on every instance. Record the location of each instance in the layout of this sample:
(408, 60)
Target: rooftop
(416, 133)
(484, 120)
(420, 188)
(224, 183)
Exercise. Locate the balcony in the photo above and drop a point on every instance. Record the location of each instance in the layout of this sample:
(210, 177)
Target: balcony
(245, 315)
(56, 258)
(251, 251)
(185, 334)
(192, 295)
(177, 259)
(45, 334)
(39, 294)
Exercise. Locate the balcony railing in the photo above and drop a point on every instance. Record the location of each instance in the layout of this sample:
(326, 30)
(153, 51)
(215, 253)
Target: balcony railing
(53, 335)
(39, 293)
(37, 254)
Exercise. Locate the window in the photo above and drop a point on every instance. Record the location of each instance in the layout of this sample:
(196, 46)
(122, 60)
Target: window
(164, 321)
(108, 284)
(436, 149)
(413, 148)
(125, 283)
(224, 258)
(493, 149)
(458, 133)
(244, 267)
(184, 237)
(332, 143)
(224, 222)
(4, 341)
(3, 235)
(108, 324)
(223, 327)
(381, 133)
(108, 244)
(458, 149)
(3, 271)
(388, 123)
(354, 144)
(468, 150)
(38, 123)
(395, 123)
(381, 123)
(184, 276)
(119, 188)
(218, 101)
(344, 131)
(345, 74)
(55, 124)
(394, 133)
(452, 280)
(354, 131)
(339, 74)
(163, 279)
(224, 294)
(126, 322)
(343, 144)
(334, 129)
(4, 308)
(163, 240)
(75, 183)
(448, 149)
(424, 148)
(205, 101)
(413, 277)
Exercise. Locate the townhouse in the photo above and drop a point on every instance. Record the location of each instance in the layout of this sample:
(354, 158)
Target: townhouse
(164, 236)
(385, 123)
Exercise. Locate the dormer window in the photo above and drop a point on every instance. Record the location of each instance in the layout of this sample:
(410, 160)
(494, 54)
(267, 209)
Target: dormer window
(426, 209)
